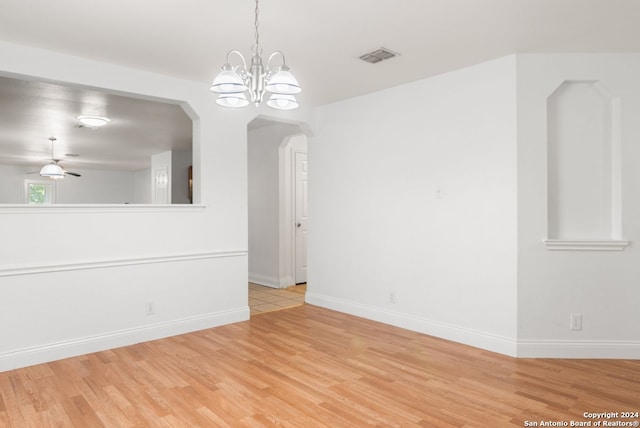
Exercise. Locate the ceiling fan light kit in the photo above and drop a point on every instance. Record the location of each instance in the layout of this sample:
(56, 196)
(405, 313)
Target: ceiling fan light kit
(53, 169)
(233, 81)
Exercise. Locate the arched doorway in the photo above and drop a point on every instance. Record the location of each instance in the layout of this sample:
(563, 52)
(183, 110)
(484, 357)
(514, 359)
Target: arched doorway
(276, 160)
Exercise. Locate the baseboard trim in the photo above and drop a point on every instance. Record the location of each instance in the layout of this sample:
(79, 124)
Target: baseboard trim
(475, 338)
(86, 345)
(287, 281)
(106, 263)
(591, 349)
(265, 280)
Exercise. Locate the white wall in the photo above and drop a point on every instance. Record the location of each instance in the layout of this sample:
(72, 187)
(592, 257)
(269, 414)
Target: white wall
(263, 201)
(412, 191)
(189, 261)
(12, 179)
(603, 286)
(142, 186)
(377, 225)
(97, 187)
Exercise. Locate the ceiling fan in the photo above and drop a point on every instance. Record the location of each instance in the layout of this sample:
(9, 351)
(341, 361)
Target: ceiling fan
(53, 169)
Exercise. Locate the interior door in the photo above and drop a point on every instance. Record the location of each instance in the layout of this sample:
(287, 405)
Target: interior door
(301, 217)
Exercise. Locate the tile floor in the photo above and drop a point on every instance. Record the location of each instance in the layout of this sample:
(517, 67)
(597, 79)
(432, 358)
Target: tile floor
(266, 299)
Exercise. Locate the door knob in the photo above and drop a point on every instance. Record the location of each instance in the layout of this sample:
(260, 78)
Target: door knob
(298, 224)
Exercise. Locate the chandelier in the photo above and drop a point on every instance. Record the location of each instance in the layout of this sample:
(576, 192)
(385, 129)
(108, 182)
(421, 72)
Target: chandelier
(233, 82)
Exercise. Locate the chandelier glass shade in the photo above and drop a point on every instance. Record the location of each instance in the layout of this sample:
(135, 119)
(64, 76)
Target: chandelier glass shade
(282, 101)
(237, 85)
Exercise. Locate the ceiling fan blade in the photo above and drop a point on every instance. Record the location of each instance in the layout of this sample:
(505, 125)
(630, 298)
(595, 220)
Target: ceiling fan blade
(75, 174)
(33, 172)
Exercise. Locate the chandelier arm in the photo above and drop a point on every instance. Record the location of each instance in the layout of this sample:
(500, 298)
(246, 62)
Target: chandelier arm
(284, 65)
(244, 62)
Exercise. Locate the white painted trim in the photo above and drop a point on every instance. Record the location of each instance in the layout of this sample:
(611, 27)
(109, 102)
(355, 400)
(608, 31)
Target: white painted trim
(97, 208)
(287, 281)
(285, 210)
(628, 350)
(104, 263)
(267, 281)
(566, 245)
(294, 201)
(286, 207)
(467, 336)
(85, 345)
(483, 340)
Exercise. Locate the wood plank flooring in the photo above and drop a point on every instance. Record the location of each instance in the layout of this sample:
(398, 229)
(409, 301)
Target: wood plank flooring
(311, 367)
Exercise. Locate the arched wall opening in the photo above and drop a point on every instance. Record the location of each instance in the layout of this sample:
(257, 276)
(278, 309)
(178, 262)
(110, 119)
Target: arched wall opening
(272, 147)
(112, 164)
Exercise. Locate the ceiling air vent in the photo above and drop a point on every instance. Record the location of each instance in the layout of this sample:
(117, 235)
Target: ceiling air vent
(378, 55)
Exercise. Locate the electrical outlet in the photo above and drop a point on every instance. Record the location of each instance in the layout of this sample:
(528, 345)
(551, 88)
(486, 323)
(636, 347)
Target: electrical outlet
(576, 322)
(392, 297)
(150, 308)
(439, 191)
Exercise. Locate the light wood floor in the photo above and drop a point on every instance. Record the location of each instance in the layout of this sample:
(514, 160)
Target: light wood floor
(311, 367)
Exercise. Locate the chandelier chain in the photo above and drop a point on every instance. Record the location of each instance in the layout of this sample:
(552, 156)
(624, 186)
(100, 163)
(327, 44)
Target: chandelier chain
(257, 24)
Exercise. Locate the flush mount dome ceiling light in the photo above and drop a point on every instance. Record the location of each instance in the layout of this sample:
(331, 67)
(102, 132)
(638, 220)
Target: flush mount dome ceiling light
(94, 121)
(233, 81)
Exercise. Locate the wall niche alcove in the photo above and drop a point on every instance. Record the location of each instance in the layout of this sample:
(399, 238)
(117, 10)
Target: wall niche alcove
(583, 168)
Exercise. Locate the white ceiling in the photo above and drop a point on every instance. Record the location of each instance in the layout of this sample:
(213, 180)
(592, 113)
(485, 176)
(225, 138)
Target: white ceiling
(322, 40)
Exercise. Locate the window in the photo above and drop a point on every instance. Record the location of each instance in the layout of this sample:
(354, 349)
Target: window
(39, 191)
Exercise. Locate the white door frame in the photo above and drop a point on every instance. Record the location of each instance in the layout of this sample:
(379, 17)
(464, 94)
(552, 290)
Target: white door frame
(287, 236)
(300, 215)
